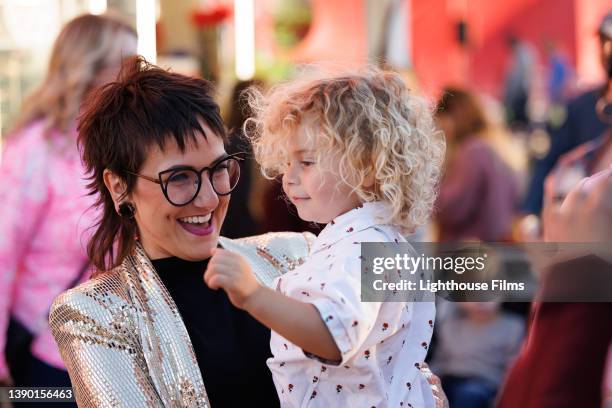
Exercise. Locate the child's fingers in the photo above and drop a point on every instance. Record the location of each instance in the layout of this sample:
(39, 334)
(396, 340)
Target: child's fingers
(211, 272)
(220, 253)
(213, 282)
(227, 260)
(216, 281)
(223, 256)
(225, 266)
(208, 273)
(220, 257)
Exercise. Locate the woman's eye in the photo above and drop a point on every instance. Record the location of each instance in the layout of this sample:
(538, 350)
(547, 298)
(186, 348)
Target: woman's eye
(180, 177)
(221, 167)
(306, 163)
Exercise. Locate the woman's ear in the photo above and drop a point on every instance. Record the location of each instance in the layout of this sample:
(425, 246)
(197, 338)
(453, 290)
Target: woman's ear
(115, 185)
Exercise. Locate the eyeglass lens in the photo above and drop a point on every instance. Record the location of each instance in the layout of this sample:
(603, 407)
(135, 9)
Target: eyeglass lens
(183, 185)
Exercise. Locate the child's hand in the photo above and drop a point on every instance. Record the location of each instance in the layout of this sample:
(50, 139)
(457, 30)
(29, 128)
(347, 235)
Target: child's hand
(232, 273)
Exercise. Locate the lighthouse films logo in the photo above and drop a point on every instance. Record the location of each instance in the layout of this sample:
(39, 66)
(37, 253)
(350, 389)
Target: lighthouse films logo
(474, 272)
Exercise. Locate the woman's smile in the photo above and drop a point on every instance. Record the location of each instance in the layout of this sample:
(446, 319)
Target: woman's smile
(199, 225)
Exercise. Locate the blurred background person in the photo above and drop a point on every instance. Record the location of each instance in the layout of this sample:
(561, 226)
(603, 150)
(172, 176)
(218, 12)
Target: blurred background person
(562, 361)
(476, 341)
(585, 160)
(594, 155)
(587, 118)
(479, 192)
(240, 221)
(43, 215)
(518, 82)
(559, 74)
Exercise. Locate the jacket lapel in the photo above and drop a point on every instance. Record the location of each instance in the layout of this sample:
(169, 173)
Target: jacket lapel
(166, 345)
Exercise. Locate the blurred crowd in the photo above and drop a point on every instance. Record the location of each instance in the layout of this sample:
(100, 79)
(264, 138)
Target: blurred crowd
(492, 191)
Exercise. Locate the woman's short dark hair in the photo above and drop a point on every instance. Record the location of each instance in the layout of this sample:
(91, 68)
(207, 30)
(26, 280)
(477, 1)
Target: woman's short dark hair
(145, 106)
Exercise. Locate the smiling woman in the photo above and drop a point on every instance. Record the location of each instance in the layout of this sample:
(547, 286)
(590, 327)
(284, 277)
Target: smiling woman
(182, 218)
(184, 129)
(146, 330)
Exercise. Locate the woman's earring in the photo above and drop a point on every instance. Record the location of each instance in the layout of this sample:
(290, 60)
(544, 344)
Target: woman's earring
(126, 210)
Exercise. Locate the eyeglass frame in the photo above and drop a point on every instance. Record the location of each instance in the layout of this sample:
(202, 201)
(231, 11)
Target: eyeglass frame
(164, 186)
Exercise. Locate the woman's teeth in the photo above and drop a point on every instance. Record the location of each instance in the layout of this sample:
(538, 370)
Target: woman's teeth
(201, 219)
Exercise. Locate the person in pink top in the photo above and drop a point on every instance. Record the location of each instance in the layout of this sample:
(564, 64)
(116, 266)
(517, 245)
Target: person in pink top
(43, 216)
(478, 193)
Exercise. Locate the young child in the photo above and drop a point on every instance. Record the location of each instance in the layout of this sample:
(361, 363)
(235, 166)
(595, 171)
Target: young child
(359, 153)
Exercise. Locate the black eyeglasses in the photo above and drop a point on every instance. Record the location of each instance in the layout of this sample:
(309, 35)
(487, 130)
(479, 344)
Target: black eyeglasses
(181, 185)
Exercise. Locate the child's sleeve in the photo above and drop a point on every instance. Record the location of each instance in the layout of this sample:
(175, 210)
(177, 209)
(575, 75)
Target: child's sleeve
(337, 296)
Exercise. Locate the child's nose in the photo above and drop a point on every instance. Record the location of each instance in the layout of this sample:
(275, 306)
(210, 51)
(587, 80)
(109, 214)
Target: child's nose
(287, 180)
(291, 176)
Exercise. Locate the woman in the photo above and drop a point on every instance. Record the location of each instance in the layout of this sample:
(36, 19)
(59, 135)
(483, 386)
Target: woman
(43, 197)
(146, 330)
(479, 192)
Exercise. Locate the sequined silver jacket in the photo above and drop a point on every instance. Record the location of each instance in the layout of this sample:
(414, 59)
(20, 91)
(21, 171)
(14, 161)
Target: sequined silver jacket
(123, 340)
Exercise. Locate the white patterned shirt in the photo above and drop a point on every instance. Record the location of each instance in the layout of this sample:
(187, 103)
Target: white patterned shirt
(382, 343)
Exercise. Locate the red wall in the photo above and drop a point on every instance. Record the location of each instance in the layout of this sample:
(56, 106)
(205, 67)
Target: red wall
(337, 33)
(439, 59)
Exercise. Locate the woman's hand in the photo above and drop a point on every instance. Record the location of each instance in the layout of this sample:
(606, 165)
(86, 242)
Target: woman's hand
(232, 273)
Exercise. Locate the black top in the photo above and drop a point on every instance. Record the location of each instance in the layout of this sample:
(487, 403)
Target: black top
(231, 347)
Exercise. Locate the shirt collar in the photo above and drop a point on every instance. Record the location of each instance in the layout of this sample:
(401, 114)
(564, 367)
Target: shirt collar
(365, 216)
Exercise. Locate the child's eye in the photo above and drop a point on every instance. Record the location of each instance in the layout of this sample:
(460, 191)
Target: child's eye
(306, 163)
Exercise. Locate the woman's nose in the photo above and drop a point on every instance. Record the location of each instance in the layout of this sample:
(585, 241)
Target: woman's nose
(207, 197)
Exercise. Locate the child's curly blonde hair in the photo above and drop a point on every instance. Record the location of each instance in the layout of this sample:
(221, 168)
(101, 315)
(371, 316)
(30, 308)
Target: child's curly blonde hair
(368, 124)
